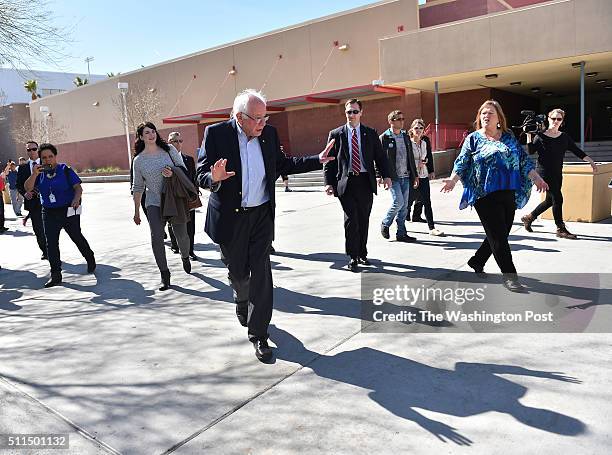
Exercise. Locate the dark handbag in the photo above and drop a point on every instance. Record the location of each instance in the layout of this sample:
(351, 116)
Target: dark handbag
(194, 202)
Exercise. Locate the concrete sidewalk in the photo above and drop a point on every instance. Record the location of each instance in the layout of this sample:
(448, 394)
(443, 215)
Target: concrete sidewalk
(125, 369)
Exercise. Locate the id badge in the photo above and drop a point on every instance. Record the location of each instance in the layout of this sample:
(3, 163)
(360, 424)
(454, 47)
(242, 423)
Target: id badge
(52, 199)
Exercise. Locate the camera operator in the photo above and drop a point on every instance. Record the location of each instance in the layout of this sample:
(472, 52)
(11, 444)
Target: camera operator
(551, 146)
(60, 195)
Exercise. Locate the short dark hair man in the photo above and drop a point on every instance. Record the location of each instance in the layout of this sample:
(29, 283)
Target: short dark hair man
(31, 199)
(352, 178)
(396, 145)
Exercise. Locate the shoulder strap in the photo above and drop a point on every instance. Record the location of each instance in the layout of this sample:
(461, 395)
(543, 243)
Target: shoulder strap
(171, 159)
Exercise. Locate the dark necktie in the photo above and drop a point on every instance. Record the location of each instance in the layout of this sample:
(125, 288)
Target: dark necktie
(355, 160)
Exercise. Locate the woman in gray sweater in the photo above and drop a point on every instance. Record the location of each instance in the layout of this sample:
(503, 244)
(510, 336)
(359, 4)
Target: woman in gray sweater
(153, 160)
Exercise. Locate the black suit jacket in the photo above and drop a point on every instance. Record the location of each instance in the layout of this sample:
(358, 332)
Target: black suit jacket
(23, 173)
(191, 167)
(336, 172)
(221, 142)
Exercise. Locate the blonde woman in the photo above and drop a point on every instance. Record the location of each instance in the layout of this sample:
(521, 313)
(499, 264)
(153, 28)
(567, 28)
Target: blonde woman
(551, 146)
(423, 158)
(497, 176)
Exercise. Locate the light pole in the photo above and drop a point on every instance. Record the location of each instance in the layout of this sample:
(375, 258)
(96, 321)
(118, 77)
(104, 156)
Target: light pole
(45, 113)
(123, 88)
(87, 60)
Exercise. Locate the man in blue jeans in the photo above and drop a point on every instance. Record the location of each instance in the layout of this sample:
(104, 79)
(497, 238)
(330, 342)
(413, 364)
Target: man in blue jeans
(402, 168)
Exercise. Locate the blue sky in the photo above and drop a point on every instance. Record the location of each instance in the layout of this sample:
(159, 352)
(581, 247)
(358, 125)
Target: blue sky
(123, 35)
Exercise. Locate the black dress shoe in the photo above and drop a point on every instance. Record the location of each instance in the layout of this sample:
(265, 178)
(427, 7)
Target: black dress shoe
(364, 260)
(192, 256)
(262, 350)
(186, 264)
(353, 265)
(478, 269)
(91, 265)
(56, 278)
(419, 220)
(3, 229)
(405, 238)
(384, 230)
(174, 249)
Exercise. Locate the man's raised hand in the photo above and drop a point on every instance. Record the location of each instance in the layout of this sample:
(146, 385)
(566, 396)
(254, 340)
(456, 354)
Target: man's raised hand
(323, 158)
(218, 171)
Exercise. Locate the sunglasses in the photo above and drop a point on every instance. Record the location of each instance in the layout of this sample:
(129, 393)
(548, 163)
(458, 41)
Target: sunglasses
(353, 112)
(180, 141)
(399, 119)
(558, 119)
(32, 149)
(417, 128)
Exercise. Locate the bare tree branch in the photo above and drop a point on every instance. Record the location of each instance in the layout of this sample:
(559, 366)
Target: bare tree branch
(28, 34)
(26, 131)
(143, 104)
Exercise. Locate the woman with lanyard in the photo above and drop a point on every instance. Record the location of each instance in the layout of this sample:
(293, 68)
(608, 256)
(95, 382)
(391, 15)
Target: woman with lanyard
(497, 176)
(421, 148)
(551, 146)
(153, 160)
(60, 193)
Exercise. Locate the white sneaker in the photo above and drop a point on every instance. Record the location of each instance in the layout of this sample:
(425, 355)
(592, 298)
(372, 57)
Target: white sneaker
(436, 232)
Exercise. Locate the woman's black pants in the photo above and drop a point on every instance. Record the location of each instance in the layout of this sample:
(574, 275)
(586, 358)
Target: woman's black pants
(496, 212)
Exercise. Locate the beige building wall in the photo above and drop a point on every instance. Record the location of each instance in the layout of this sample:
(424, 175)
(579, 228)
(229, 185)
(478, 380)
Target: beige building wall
(565, 28)
(307, 51)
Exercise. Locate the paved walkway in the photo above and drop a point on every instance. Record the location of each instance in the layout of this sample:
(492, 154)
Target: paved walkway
(125, 369)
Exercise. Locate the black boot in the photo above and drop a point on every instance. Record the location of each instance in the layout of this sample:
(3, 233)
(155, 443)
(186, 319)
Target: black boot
(56, 278)
(186, 264)
(165, 277)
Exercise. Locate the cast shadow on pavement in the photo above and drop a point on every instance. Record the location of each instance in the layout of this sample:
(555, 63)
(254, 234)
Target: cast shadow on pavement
(110, 285)
(401, 385)
(292, 302)
(12, 285)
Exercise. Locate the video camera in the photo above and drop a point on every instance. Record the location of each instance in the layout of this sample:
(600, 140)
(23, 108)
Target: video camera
(532, 123)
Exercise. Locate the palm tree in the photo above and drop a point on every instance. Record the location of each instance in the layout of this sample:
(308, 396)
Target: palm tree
(31, 86)
(80, 81)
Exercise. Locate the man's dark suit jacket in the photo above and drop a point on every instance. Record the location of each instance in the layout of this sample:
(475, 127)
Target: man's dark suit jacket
(336, 172)
(191, 167)
(24, 173)
(221, 142)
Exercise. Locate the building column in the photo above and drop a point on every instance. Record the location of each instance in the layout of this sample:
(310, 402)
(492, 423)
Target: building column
(436, 114)
(582, 104)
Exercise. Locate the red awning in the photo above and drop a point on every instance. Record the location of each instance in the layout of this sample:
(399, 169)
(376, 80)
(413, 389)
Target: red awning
(279, 105)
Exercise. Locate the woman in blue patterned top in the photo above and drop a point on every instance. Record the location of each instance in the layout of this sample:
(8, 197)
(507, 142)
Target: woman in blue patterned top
(497, 176)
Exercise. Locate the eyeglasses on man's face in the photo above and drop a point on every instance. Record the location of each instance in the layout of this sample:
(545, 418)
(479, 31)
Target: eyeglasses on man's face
(180, 141)
(556, 119)
(263, 119)
(32, 149)
(399, 119)
(353, 112)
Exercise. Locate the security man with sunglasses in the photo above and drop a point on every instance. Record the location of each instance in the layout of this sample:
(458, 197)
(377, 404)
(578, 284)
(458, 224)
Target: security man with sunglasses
(352, 178)
(31, 199)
